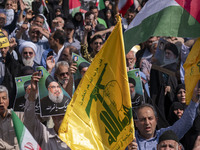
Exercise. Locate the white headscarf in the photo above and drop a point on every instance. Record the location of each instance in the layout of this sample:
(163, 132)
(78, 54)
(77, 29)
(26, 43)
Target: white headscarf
(28, 44)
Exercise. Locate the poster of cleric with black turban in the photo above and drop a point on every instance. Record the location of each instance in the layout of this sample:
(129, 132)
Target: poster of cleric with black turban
(81, 64)
(23, 85)
(136, 89)
(166, 54)
(53, 98)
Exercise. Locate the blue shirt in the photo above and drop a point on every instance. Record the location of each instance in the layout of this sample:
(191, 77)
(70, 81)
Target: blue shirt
(180, 127)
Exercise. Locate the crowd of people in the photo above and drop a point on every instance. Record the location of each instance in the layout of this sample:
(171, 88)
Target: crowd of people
(31, 36)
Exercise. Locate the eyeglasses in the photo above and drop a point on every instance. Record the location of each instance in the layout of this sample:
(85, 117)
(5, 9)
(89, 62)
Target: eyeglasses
(8, 4)
(98, 43)
(30, 53)
(63, 74)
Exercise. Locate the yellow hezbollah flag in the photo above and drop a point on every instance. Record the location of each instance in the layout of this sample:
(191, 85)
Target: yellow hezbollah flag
(99, 115)
(192, 70)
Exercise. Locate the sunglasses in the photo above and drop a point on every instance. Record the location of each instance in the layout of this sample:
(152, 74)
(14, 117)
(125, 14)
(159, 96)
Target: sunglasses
(98, 43)
(8, 4)
(30, 53)
(63, 74)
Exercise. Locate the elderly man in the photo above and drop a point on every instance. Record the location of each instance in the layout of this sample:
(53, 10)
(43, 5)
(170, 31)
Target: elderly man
(146, 134)
(58, 23)
(171, 56)
(136, 99)
(62, 73)
(168, 140)
(131, 59)
(56, 102)
(8, 138)
(35, 33)
(28, 50)
(46, 137)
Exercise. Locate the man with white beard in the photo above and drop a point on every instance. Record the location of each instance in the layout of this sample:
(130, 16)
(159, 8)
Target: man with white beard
(136, 99)
(55, 92)
(171, 57)
(56, 102)
(28, 51)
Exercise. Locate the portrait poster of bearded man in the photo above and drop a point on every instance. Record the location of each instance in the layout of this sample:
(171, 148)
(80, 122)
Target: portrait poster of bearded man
(53, 98)
(23, 85)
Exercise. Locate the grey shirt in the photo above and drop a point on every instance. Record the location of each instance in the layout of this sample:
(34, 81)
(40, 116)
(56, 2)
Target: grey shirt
(8, 139)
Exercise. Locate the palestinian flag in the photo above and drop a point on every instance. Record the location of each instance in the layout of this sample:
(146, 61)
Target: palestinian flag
(25, 139)
(124, 5)
(44, 5)
(74, 6)
(175, 18)
(100, 4)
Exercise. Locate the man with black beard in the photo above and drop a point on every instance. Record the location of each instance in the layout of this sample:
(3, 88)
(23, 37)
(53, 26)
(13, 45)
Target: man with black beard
(56, 102)
(136, 99)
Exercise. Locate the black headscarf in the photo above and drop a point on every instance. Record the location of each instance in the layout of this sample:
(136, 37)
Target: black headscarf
(172, 116)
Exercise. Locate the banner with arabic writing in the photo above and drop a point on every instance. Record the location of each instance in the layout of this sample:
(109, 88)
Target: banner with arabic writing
(100, 115)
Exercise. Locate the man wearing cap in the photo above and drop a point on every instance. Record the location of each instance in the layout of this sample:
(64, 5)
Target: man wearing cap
(4, 45)
(7, 67)
(70, 40)
(168, 140)
(28, 50)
